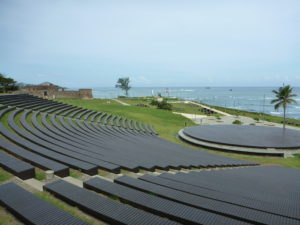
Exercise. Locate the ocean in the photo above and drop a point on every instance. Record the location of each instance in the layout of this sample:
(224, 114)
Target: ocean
(256, 99)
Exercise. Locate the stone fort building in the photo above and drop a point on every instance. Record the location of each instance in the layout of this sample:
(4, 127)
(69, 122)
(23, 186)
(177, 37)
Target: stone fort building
(51, 91)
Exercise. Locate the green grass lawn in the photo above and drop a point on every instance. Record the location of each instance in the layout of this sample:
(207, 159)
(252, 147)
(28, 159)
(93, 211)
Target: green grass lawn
(168, 124)
(134, 101)
(176, 107)
(4, 176)
(7, 218)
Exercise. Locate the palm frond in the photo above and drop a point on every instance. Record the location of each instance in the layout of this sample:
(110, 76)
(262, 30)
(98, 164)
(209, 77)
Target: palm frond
(293, 95)
(291, 101)
(277, 106)
(284, 96)
(275, 100)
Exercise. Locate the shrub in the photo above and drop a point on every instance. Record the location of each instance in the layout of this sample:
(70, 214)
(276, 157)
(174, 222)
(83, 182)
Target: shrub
(164, 105)
(237, 122)
(256, 119)
(154, 102)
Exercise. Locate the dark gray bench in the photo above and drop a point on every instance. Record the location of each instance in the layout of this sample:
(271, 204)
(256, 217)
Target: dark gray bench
(16, 167)
(223, 208)
(31, 209)
(162, 207)
(103, 208)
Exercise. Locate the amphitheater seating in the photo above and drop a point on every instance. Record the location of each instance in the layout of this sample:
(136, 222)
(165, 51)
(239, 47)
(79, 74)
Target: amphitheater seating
(103, 208)
(212, 205)
(16, 167)
(256, 188)
(55, 136)
(249, 195)
(88, 140)
(31, 209)
(170, 209)
(35, 159)
(28, 140)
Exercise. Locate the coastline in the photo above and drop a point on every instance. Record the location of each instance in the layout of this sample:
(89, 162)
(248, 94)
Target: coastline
(252, 99)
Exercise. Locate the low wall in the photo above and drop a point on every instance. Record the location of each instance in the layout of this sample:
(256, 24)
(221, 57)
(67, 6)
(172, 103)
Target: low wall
(52, 94)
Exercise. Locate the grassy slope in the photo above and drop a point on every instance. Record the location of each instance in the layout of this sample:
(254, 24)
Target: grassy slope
(177, 107)
(167, 124)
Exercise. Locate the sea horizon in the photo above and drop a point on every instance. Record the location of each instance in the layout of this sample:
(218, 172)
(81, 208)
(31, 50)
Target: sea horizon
(254, 99)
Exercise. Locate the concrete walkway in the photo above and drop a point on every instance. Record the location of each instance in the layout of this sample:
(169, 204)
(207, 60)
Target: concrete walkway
(210, 120)
(34, 183)
(206, 107)
(120, 102)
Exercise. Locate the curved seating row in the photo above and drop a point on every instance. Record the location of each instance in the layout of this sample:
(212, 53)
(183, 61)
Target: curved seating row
(51, 143)
(32, 157)
(253, 215)
(250, 195)
(35, 103)
(257, 188)
(160, 206)
(31, 209)
(103, 208)
(77, 140)
(31, 142)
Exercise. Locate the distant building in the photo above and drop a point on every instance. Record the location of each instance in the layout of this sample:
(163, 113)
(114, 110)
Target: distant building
(52, 91)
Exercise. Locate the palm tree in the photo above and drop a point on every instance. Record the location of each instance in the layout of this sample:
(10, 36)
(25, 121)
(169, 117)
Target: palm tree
(123, 83)
(284, 96)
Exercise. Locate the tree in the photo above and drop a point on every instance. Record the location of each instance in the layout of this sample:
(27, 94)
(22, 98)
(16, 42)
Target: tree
(284, 96)
(123, 83)
(7, 84)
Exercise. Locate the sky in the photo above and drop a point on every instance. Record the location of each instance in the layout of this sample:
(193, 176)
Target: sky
(86, 44)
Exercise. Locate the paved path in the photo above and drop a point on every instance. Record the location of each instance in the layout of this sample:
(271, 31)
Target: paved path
(209, 120)
(212, 109)
(118, 101)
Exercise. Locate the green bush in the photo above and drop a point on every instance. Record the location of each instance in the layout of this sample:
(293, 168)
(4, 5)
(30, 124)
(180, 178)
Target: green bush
(154, 102)
(237, 122)
(256, 119)
(164, 105)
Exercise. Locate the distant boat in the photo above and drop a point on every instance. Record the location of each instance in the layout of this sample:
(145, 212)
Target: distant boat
(207, 87)
(230, 89)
